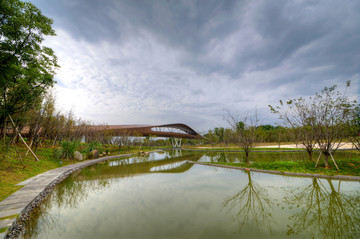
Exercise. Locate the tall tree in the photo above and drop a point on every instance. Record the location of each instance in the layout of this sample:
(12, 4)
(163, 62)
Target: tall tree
(27, 67)
(296, 114)
(245, 131)
(354, 128)
(220, 134)
(321, 119)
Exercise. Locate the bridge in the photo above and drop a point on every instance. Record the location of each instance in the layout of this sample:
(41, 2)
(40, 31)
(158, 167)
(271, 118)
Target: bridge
(176, 131)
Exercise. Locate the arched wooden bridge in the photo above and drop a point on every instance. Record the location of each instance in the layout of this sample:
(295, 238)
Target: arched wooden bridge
(166, 130)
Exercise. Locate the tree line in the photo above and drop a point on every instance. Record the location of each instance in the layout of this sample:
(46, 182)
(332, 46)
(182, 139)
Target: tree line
(27, 70)
(324, 122)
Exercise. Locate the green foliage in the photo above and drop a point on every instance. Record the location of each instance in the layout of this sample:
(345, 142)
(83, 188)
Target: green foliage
(219, 132)
(91, 146)
(9, 217)
(27, 68)
(320, 120)
(211, 137)
(266, 127)
(240, 126)
(347, 166)
(354, 128)
(67, 149)
(7, 153)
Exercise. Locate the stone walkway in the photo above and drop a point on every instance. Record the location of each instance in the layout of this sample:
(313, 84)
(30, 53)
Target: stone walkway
(18, 201)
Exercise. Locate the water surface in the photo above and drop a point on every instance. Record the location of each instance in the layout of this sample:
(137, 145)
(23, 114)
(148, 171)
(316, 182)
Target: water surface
(162, 196)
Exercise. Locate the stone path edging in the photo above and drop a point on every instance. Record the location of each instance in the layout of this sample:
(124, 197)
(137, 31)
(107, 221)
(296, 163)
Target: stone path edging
(35, 189)
(340, 177)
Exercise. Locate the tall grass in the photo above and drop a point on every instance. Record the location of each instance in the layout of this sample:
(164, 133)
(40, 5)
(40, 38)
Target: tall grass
(92, 146)
(66, 150)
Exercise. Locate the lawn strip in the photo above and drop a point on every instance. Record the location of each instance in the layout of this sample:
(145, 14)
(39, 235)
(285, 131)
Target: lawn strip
(291, 169)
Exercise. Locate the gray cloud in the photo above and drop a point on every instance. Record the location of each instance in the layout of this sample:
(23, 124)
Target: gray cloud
(186, 61)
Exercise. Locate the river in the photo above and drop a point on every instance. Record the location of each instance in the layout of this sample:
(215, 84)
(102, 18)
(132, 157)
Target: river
(162, 196)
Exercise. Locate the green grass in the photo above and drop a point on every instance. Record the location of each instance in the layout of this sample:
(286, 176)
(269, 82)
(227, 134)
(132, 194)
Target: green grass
(91, 146)
(9, 217)
(348, 167)
(3, 229)
(347, 161)
(12, 171)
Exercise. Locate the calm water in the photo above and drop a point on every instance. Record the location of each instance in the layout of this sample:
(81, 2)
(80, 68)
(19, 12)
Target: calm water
(161, 196)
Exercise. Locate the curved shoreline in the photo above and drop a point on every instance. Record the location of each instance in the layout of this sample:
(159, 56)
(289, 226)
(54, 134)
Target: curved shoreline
(312, 175)
(16, 228)
(24, 212)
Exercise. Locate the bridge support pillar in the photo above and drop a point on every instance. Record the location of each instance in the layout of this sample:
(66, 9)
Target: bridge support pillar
(176, 143)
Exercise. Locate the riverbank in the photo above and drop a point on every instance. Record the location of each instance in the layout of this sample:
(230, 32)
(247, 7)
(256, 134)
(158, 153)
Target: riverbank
(296, 161)
(41, 185)
(13, 171)
(291, 169)
(16, 208)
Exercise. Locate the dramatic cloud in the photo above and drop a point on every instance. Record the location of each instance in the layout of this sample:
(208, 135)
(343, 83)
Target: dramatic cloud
(126, 61)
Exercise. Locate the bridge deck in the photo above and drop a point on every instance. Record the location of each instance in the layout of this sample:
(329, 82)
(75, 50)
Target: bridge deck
(166, 130)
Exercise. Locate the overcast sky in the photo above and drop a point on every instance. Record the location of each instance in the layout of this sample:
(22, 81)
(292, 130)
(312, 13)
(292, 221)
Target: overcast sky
(169, 61)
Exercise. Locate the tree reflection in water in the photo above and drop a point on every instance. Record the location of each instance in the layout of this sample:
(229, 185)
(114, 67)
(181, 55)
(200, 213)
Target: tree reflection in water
(253, 207)
(223, 157)
(95, 179)
(69, 194)
(324, 212)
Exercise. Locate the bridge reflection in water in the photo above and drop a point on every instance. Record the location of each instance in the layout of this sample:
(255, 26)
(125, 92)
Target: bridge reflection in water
(167, 162)
(135, 197)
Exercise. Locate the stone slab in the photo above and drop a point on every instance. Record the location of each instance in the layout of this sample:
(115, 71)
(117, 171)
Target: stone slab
(10, 212)
(24, 192)
(6, 222)
(14, 206)
(20, 194)
(32, 188)
(18, 199)
(47, 175)
(2, 235)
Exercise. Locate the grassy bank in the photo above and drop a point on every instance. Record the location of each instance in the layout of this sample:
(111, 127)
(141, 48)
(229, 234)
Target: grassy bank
(349, 167)
(12, 171)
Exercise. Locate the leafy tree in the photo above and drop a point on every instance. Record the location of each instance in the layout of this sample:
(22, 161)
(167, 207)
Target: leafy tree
(245, 131)
(219, 132)
(296, 114)
(354, 128)
(266, 127)
(228, 136)
(27, 67)
(321, 120)
(211, 137)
